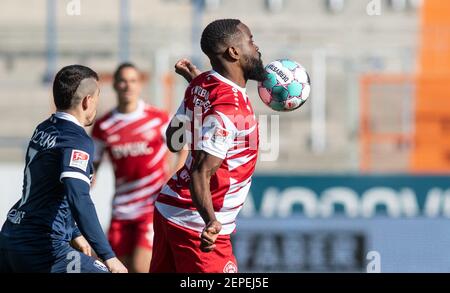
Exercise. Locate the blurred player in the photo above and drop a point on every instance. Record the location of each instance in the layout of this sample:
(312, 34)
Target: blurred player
(196, 210)
(39, 228)
(133, 136)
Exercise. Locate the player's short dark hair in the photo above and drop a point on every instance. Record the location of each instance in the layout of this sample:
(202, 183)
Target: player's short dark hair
(217, 34)
(66, 84)
(122, 66)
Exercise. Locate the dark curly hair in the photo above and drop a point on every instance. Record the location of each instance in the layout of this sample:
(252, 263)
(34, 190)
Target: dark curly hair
(66, 84)
(217, 34)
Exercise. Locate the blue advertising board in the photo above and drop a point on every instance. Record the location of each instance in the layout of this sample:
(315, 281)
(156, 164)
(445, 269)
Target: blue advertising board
(352, 196)
(342, 223)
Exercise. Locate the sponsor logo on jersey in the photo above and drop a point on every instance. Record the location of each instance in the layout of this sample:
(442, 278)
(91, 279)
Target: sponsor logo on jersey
(79, 159)
(230, 267)
(98, 264)
(199, 91)
(198, 102)
(132, 149)
(220, 135)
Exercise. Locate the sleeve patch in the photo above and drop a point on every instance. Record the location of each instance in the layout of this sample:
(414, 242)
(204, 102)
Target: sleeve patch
(220, 135)
(79, 159)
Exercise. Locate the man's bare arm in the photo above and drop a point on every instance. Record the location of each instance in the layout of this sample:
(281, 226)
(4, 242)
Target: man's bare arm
(204, 167)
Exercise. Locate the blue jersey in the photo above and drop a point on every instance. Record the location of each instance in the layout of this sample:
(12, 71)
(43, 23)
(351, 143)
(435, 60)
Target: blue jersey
(55, 196)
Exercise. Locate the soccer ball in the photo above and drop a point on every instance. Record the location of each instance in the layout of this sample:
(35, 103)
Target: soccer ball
(286, 87)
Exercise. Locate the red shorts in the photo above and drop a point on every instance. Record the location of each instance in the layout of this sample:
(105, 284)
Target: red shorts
(177, 249)
(125, 235)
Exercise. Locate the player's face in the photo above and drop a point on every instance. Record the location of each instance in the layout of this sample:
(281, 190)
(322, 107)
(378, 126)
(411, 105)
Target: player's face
(251, 61)
(128, 86)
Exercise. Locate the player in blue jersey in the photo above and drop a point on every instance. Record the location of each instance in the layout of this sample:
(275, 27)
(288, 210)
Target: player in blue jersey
(44, 229)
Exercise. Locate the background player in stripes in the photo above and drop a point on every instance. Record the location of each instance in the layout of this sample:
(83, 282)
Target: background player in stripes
(132, 135)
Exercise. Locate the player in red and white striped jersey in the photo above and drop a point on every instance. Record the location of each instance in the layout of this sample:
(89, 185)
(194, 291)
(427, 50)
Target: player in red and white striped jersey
(133, 136)
(196, 210)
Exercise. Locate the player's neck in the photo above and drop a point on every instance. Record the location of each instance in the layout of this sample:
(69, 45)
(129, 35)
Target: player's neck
(127, 108)
(75, 114)
(235, 76)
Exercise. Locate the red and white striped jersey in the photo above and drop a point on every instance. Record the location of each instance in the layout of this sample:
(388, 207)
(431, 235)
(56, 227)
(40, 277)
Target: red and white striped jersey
(135, 143)
(220, 121)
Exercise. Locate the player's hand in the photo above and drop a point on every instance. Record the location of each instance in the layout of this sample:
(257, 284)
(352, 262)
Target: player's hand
(186, 69)
(80, 243)
(115, 265)
(209, 236)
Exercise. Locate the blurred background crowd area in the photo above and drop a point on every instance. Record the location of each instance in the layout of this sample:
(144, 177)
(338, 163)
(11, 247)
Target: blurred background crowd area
(363, 58)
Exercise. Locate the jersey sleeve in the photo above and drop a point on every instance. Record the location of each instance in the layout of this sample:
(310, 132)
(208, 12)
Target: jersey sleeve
(76, 232)
(77, 162)
(85, 215)
(219, 130)
(75, 176)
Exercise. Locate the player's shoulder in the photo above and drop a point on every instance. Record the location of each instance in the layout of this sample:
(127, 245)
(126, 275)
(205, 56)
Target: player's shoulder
(77, 139)
(155, 112)
(205, 82)
(201, 78)
(215, 88)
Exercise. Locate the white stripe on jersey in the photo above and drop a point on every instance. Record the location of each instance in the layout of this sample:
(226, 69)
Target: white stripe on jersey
(236, 197)
(232, 152)
(133, 215)
(147, 126)
(237, 162)
(229, 125)
(138, 183)
(121, 125)
(191, 219)
(135, 205)
(235, 185)
(166, 190)
(76, 175)
(243, 133)
(158, 157)
(227, 81)
(124, 198)
(119, 120)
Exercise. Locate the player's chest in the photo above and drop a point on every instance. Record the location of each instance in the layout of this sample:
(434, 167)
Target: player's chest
(136, 139)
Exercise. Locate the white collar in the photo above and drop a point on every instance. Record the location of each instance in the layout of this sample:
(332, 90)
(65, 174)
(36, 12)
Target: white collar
(132, 115)
(226, 80)
(68, 117)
